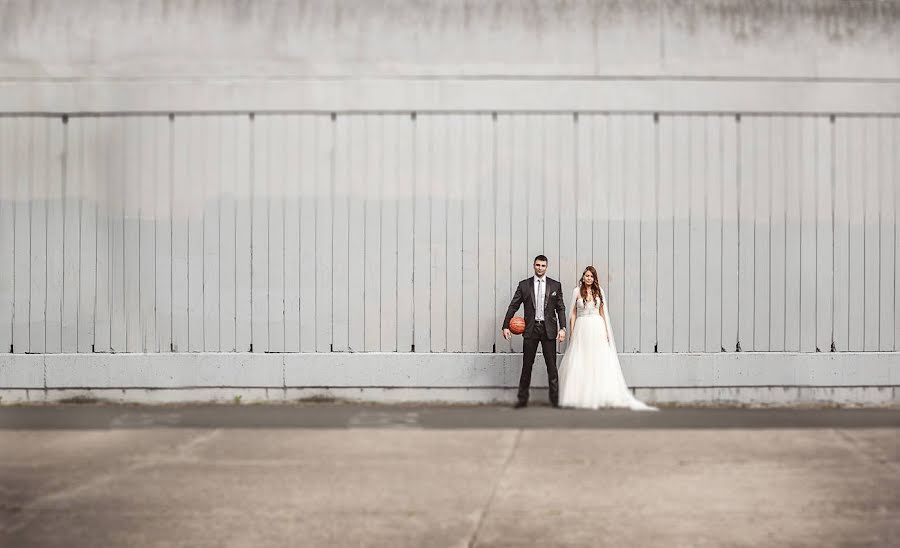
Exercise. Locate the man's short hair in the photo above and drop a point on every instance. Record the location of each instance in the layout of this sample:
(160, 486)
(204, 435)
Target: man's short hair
(541, 258)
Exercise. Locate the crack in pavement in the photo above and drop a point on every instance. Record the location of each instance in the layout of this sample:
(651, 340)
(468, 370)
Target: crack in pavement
(473, 540)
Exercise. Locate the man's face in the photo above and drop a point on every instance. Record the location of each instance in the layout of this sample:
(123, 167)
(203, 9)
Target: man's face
(540, 268)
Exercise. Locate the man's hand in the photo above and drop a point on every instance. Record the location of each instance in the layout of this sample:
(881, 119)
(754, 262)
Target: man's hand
(561, 336)
(506, 334)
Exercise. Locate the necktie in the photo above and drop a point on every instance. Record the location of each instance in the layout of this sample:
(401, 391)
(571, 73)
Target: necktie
(540, 302)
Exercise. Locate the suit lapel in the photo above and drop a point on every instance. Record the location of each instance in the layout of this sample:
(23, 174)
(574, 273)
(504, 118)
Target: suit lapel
(533, 292)
(546, 292)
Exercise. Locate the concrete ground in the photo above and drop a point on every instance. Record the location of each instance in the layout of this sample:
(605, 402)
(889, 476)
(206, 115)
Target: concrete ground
(366, 475)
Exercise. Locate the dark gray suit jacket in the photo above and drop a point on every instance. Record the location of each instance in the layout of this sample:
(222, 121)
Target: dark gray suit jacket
(554, 308)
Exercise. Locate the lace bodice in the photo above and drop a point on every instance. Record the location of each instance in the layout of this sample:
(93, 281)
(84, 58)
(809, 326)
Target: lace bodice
(589, 308)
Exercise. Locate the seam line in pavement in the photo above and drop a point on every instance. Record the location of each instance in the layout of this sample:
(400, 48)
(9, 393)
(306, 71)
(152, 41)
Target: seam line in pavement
(473, 540)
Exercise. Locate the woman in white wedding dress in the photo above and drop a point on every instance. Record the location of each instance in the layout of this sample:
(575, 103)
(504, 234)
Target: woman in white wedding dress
(590, 375)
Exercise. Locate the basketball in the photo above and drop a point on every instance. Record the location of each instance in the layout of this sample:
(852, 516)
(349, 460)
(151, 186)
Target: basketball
(517, 325)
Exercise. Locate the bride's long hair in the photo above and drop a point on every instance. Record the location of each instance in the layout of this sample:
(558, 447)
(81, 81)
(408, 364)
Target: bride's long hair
(594, 287)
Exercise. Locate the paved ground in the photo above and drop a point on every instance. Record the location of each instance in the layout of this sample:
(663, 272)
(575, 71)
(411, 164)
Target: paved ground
(356, 475)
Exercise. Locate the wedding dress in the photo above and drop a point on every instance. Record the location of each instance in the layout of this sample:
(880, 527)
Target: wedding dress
(590, 375)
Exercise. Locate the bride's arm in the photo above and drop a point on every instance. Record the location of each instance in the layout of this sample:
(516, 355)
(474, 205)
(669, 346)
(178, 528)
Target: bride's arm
(603, 313)
(573, 311)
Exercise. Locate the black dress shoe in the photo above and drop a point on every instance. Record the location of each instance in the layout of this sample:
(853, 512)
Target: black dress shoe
(520, 404)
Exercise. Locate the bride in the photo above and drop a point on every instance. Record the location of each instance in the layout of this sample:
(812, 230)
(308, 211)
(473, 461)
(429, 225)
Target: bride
(590, 375)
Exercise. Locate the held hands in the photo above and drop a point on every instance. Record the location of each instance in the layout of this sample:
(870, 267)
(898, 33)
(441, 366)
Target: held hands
(560, 337)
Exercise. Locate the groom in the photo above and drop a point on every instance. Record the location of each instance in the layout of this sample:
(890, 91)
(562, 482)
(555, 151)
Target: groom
(543, 301)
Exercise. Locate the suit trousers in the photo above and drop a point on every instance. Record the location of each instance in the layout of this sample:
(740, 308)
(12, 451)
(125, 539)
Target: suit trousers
(529, 350)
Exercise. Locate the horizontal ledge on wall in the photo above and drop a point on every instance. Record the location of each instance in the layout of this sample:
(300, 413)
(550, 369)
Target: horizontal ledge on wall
(444, 370)
(451, 95)
(720, 396)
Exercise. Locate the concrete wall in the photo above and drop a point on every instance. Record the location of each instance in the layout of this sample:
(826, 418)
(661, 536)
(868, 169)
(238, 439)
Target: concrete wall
(317, 178)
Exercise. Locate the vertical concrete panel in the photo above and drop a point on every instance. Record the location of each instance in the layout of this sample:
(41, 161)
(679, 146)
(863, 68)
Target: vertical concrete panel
(310, 161)
(762, 248)
(455, 160)
(341, 293)
(356, 280)
(634, 159)
(665, 255)
(41, 173)
(777, 232)
(133, 177)
(871, 194)
(805, 155)
(7, 234)
(856, 179)
(746, 232)
(388, 226)
(152, 177)
(196, 183)
(102, 135)
(696, 173)
(162, 151)
(90, 166)
(324, 206)
(800, 250)
(228, 155)
(617, 278)
(530, 179)
(895, 167)
(291, 159)
(421, 134)
(435, 159)
(825, 233)
(468, 200)
(371, 190)
(20, 172)
(841, 208)
(730, 227)
(243, 162)
(181, 211)
(116, 183)
(406, 207)
(888, 184)
(683, 292)
(489, 267)
(71, 233)
(274, 170)
(56, 242)
(648, 158)
(504, 285)
(515, 171)
(713, 190)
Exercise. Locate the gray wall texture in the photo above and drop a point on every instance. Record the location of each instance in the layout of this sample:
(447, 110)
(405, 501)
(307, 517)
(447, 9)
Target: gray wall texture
(328, 177)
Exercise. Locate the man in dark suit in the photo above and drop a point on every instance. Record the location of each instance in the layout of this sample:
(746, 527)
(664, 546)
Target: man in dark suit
(545, 323)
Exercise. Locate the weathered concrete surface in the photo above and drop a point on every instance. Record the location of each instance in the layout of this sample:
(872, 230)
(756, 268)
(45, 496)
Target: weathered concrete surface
(648, 55)
(146, 39)
(389, 480)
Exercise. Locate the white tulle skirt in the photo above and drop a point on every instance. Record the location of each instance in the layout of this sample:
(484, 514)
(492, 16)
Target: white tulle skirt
(589, 375)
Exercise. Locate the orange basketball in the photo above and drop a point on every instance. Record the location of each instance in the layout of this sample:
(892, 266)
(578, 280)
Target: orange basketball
(517, 325)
